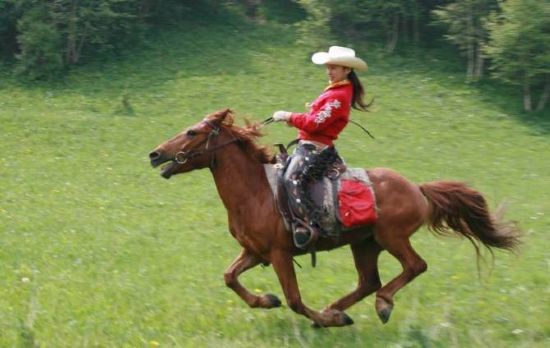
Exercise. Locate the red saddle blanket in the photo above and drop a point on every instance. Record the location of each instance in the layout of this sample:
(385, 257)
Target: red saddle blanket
(356, 204)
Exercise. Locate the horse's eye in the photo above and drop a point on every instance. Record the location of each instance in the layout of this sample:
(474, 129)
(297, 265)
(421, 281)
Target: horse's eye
(191, 133)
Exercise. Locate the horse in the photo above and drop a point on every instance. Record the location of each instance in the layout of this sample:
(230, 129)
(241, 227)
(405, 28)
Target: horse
(236, 161)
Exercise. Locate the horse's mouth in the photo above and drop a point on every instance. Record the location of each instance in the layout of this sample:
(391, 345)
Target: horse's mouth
(167, 170)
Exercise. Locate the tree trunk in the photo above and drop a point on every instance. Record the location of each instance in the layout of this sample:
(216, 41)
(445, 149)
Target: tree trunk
(416, 28)
(470, 66)
(251, 8)
(544, 97)
(392, 42)
(80, 45)
(478, 73)
(404, 28)
(470, 48)
(70, 50)
(527, 95)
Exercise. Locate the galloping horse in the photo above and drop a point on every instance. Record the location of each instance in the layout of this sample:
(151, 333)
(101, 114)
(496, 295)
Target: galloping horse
(237, 165)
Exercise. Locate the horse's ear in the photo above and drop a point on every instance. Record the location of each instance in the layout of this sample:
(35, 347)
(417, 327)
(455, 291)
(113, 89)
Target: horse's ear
(221, 114)
(221, 117)
(224, 116)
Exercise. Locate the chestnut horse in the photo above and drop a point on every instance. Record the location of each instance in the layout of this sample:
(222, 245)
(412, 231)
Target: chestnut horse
(237, 165)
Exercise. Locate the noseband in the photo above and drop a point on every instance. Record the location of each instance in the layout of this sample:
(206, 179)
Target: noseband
(184, 156)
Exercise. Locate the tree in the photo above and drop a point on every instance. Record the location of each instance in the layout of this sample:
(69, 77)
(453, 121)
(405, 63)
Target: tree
(52, 34)
(8, 28)
(392, 20)
(519, 47)
(466, 23)
(93, 24)
(380, 17)
(315, 30)
(40, 44)
(46, 36)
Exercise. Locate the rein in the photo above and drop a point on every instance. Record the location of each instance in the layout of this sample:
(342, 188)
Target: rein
(270, 120)
(184, 156)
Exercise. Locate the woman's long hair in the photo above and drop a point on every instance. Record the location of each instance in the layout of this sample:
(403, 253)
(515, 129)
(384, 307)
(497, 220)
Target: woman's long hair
(358, 93)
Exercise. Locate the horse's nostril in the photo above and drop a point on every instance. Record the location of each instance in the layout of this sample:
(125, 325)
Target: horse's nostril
(154, 155)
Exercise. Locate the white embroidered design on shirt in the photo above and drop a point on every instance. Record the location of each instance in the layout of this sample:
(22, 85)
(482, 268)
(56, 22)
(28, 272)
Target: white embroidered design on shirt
(323, 115)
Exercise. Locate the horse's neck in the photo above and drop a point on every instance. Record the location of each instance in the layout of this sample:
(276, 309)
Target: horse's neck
(240, 180)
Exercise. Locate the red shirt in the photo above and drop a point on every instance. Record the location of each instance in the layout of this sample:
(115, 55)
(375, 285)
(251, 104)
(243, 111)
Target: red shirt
(328, 115)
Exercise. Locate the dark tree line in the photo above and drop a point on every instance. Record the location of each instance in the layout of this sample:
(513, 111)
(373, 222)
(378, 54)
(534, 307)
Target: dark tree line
(508, 38)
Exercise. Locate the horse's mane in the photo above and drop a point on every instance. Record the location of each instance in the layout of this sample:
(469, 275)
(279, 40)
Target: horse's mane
(247, 137)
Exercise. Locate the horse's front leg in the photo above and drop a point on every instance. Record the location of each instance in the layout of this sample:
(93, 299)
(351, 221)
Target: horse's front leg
(244, 262)
(282, 263)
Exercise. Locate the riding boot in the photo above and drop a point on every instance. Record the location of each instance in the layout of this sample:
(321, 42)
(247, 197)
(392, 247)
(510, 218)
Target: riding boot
(306, 231)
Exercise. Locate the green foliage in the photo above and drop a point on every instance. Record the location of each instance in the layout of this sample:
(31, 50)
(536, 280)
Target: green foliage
(465, 20)
(315, 31)
(377, 20)
(55, 34)
(520, 42)
(282, 11)
(40, 44)
(519, 49)
(99, 251)
(375, 15)
(49, 37)
(8, 16)
(96, 26)
(166, 13)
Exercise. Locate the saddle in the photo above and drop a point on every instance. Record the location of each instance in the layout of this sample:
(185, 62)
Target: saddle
(344, 195)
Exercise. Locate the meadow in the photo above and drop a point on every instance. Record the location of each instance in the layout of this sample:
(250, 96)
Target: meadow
(96, 249)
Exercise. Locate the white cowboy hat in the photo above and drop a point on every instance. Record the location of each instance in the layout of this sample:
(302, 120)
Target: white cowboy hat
(340, 56)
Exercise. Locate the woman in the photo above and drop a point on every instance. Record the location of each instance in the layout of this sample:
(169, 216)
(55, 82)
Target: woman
(317, 130)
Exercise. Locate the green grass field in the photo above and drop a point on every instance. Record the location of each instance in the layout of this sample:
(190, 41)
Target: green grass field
(98, 250)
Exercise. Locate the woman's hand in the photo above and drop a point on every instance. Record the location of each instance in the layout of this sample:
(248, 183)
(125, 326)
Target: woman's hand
(281, 116)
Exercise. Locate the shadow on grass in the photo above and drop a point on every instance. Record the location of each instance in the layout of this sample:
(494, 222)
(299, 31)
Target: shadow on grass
(440, 63)
(296, 331)
(509, 100)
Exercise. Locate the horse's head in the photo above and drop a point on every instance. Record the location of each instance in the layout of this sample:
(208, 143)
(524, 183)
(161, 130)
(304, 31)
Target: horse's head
(192, 148)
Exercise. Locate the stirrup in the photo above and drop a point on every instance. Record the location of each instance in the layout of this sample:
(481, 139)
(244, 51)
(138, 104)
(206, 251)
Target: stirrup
(303, 236)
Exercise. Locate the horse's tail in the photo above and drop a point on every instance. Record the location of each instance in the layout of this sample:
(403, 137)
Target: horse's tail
(459, 208)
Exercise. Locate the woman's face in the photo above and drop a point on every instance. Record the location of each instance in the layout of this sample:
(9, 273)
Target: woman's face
(337, 73)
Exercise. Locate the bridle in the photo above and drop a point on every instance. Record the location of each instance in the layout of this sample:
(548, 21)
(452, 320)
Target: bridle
(183, 156)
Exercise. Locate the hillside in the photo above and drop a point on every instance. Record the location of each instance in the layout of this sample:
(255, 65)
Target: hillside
(98, 250)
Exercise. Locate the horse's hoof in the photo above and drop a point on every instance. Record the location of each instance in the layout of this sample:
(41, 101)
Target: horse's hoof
(384, 315)
(340, 319)
(347, 319)
(273, 301)
(383, 309)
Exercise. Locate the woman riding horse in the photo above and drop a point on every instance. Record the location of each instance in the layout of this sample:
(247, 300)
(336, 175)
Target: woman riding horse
(237, 166)
(318, 129)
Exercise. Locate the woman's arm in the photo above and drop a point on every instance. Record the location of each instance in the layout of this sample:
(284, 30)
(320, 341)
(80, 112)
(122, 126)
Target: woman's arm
(320, 118)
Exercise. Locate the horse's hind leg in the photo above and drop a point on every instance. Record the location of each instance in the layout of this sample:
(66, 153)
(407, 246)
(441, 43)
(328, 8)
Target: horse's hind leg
(412, 264)
(242, 263)
(365, 255)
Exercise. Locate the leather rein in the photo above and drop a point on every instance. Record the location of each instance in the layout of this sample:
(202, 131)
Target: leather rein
(184, 156)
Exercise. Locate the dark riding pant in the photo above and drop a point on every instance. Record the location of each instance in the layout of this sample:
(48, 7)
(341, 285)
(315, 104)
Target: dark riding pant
(307, 165)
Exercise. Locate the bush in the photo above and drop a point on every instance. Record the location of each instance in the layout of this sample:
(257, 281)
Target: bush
(40, 44)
